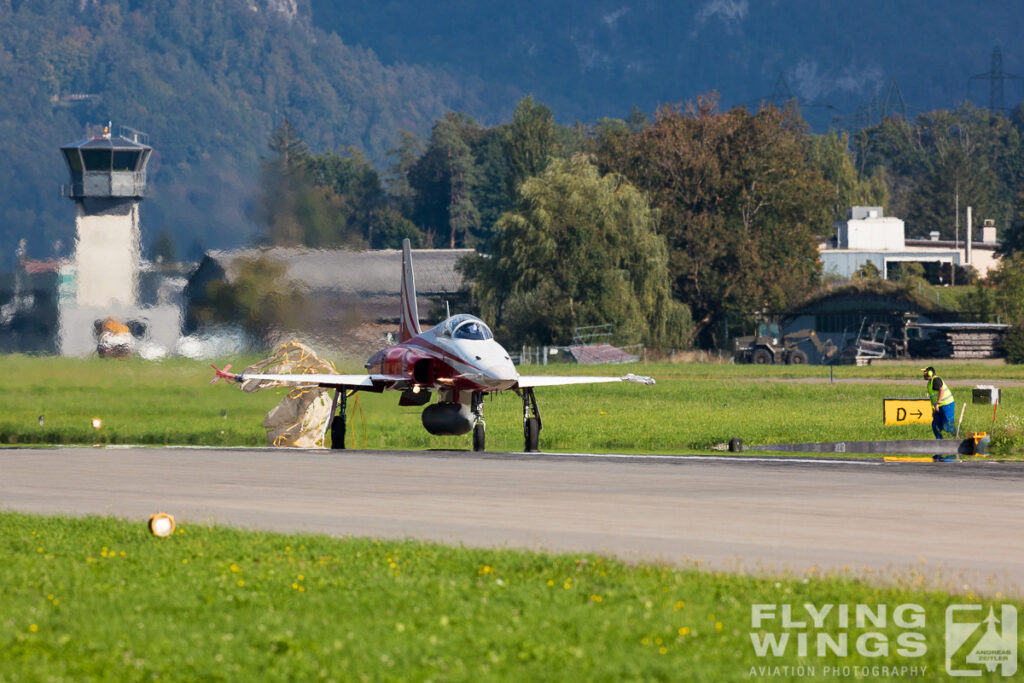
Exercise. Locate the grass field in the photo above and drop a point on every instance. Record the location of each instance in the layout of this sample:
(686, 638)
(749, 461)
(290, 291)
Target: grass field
(692, 408)
(100, 599)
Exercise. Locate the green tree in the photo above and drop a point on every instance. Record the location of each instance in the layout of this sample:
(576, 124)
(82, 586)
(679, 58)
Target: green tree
(260, 298)
(529, 142)
(967, 154)
(1000, 296)
(831, 154)
(740, 206)
(403, 158)
(324, 200)
(868, 271)
(578, 249)
(164, 250)
(443, 179)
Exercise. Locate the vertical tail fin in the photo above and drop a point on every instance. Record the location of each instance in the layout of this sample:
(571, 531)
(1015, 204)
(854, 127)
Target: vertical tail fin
(410, 324)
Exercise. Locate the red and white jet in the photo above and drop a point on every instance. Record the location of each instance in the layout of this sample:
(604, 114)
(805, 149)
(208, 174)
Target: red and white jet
(458, 358)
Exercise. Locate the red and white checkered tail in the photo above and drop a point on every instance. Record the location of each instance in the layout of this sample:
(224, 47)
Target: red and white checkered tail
(410, 324)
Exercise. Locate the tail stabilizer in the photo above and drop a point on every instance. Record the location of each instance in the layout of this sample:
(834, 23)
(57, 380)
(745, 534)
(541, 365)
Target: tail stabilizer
(410, 323)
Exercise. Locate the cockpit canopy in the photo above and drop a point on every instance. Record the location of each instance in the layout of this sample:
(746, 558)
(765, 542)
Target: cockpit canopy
(465, 326)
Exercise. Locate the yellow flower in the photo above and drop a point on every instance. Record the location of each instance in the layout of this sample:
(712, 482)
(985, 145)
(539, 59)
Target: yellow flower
(551, 582)
(235, 568)
(684, 631)
(295, 586)
(486, 569)
(679, 605)
(241, 583)
(718, 626)
(596, 598)
(662, 650)
(33, 628)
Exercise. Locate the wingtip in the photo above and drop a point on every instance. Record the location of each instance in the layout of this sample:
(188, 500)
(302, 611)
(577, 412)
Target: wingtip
(639, 379)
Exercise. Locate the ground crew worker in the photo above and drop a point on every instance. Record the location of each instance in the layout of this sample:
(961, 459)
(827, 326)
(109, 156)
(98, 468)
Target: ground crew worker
(943, 406)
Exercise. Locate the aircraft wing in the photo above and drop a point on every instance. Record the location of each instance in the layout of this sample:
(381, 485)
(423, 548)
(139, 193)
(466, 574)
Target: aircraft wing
(320, 380)
(530, 381)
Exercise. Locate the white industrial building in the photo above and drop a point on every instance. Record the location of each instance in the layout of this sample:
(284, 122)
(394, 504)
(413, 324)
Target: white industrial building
(868, 235)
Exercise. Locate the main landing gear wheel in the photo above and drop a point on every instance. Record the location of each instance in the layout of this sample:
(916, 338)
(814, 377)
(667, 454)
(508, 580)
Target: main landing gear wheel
(532, 430)
(531, 421)
(339, 419)
(478, 436)
(338, 433)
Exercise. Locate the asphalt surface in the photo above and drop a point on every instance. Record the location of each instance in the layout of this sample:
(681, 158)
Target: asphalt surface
(958, 524)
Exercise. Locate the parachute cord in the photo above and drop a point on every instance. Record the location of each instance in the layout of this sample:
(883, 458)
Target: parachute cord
(352, 419)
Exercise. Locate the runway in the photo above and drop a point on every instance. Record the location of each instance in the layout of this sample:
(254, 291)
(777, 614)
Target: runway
(957, 524)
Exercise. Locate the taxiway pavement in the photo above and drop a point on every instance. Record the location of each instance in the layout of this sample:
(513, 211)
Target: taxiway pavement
(958, 524)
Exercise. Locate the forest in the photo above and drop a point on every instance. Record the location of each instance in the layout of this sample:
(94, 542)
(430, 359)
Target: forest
(662, 223)
(270, 129)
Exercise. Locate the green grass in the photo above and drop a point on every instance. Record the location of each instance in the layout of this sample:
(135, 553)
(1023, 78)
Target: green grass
(100, 599)
(692, 408)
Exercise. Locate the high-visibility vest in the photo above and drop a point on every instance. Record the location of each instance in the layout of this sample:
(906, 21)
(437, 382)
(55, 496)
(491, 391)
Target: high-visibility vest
(941, 396)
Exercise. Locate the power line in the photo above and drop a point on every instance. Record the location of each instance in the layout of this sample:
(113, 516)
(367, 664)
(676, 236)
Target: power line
(996, 77)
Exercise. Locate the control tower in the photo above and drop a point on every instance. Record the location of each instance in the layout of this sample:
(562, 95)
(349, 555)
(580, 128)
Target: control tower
(106, 281)
(108, 180)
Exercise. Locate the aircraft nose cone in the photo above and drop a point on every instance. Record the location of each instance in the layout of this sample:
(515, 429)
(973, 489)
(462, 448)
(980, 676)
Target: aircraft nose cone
(500, 373)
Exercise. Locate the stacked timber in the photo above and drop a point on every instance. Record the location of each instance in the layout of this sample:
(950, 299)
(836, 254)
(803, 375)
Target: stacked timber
(966, 344)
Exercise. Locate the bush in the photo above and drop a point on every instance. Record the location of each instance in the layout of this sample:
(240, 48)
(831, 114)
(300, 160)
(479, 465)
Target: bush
(1014, 343)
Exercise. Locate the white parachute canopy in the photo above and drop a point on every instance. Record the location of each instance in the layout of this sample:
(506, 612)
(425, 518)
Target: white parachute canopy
(300, 419)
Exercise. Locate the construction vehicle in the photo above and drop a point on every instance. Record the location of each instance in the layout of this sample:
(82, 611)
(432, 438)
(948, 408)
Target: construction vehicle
(897, 339)
(768, 347)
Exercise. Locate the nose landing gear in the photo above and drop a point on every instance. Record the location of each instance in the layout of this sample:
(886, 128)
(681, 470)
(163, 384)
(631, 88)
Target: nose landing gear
(477, 405)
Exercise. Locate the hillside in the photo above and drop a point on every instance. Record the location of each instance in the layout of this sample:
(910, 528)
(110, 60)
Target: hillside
(592, 58)
(208, 81)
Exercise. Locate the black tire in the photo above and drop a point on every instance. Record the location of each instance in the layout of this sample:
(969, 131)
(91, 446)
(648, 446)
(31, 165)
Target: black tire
(337, 433)
(797, 357)
(478, 437)
(531, 428)
(761, 357)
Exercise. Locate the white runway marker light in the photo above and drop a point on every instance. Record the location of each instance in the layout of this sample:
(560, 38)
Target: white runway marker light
(97, 423)
(161, 524)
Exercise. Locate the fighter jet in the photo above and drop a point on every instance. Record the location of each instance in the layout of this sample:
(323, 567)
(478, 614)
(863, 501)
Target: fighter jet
(458, 359)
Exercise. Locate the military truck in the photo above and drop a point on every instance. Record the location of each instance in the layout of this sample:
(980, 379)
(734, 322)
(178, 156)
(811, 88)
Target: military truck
(768, 347)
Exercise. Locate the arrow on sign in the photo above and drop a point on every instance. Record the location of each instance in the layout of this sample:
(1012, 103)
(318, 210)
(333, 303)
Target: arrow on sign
(917, 413)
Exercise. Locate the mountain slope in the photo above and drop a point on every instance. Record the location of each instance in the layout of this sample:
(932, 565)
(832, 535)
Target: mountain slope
(592, 58)
(208, 81)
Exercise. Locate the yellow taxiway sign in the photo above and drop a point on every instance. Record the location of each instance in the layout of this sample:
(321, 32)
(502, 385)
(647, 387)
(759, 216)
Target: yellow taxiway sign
(906, 411)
